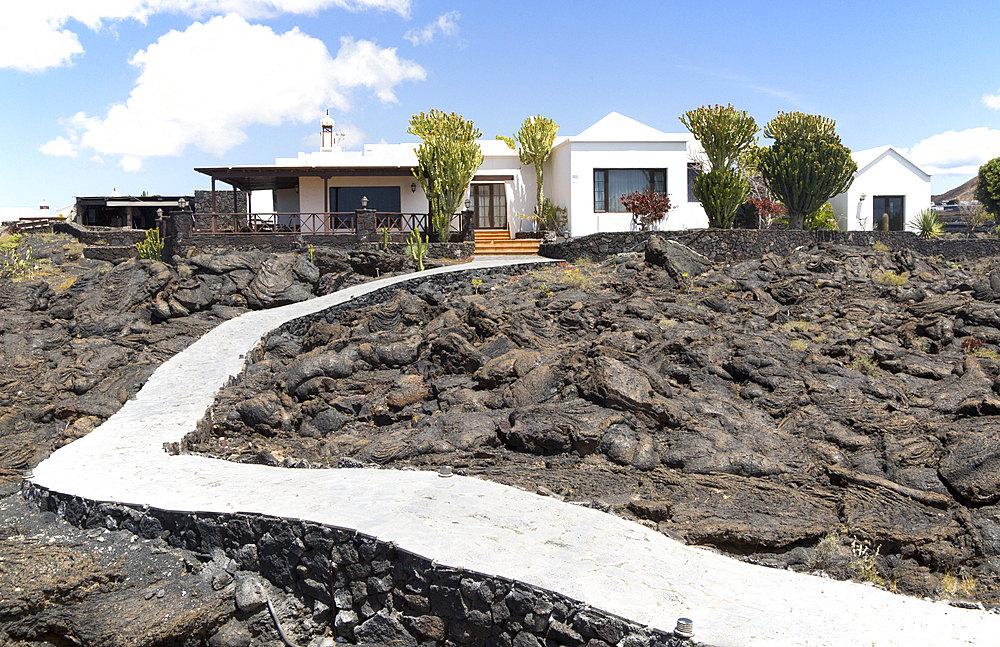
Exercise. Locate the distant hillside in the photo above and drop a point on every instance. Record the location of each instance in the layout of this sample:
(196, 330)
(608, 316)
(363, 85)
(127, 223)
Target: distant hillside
(961, 193)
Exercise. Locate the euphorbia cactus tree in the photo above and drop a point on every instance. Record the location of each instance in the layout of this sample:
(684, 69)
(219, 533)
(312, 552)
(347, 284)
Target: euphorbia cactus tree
(725, 133)
(807, 165)
(448, 159)
(533, 144)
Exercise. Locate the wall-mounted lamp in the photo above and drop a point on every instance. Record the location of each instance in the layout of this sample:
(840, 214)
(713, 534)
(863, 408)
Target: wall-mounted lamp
(364, 202)
(413, 187)
(863, 196)
(182, 204)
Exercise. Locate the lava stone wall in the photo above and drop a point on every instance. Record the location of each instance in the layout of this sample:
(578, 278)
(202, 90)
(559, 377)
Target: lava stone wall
(300, 242)
(726, 245)
(368, 590)
(111, 236)
(223, 202)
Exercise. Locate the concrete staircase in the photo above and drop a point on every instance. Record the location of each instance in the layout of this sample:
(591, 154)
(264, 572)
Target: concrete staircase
(497, 242)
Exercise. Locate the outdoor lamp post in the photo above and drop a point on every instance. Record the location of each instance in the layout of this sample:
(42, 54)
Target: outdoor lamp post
(364, 202)
(182, 204)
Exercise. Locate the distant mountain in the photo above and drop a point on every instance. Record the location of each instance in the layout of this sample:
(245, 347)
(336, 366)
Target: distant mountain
(962, 193)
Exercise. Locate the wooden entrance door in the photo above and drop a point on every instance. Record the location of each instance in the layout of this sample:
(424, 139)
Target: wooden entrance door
(489, 203)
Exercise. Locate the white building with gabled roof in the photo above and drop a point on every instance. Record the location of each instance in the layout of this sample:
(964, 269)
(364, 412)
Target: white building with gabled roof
(888, 188)
(587, 174)
(590, 172)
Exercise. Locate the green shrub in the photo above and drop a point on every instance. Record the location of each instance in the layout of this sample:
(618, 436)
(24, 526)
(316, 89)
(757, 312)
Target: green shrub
(866, 365)
(152, 247)
(550, 217)
(927, 224)
(822, 219)
(891, 278)
(879, 246)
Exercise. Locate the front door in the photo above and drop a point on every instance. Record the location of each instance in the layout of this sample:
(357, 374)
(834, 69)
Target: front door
(489, 202)
(887, 213)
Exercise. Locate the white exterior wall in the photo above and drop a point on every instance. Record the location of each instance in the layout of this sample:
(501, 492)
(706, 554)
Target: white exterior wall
(584, 157)
(286, 201)
(889, 175)
(559, 178)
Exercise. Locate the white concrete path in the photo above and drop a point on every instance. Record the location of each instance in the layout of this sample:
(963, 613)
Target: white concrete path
(597, 558)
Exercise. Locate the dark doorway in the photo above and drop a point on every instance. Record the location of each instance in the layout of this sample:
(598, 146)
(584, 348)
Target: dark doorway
(887, 212)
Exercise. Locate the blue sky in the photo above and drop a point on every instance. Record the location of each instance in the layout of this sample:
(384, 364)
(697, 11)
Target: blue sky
(133, 94)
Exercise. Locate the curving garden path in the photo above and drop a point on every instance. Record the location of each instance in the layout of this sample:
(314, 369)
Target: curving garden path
(597, 558)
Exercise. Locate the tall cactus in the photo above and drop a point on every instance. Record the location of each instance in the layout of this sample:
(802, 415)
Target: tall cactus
(725, 133)
(807, 165)
(533, 144)
(417, 248)
(448, 159)
(721, 192)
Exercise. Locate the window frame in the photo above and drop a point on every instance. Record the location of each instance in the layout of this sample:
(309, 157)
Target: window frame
(604, 180)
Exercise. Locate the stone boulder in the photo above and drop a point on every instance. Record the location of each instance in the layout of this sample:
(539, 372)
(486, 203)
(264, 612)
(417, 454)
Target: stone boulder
(681, 262)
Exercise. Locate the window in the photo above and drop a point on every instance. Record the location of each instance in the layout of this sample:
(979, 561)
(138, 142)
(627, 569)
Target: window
(694, 170)
(611, 184)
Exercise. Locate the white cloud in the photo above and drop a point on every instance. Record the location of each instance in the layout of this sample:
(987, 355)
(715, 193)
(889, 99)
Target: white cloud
(957, 153)
(33, 36)
(446, 24)
(130, 164)
(288, 77)
(59, 147)
(992, 101)
(96, 160)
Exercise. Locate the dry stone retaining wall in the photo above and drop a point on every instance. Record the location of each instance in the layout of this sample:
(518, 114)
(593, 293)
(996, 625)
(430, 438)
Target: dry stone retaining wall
(367, 590)
(725, 245)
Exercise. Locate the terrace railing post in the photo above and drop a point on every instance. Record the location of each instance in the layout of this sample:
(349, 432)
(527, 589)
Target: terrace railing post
(365, 225)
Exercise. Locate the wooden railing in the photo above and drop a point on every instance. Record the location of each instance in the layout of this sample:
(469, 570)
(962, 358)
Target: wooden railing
(329, 222)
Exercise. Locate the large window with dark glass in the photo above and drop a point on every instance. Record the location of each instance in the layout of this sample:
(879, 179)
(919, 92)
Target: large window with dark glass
(610, 184)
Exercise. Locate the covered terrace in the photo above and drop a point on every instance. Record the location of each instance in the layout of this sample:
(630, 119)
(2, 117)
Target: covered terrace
(317, 200)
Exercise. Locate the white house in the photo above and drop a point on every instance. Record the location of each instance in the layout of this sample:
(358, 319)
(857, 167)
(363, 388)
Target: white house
(587, 174)
(887, 186)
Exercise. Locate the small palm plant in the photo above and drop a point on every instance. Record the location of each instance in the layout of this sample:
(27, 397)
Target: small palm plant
(927, 224)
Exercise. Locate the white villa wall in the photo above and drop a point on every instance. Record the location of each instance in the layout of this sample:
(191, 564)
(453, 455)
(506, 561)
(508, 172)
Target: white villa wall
(559, 178)
(890, 175)
(286, 200)
(584, 157)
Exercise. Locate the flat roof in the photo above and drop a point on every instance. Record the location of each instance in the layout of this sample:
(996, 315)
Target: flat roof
(258, 178)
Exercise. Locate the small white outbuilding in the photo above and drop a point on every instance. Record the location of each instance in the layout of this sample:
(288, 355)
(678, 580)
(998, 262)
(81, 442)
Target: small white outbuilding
(888, 191)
